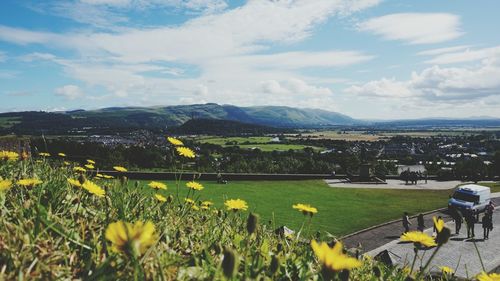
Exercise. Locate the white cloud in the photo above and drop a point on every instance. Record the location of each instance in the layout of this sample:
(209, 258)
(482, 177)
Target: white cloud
(440, 51)
(119, 3)
(69, 91)
(415, 28)
(468, 55)
(439, 84)
(293, 86)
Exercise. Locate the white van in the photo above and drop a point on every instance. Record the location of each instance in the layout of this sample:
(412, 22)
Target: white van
(470, 196)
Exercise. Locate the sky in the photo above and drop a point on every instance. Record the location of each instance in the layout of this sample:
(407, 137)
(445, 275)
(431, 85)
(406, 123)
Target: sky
(369, 59)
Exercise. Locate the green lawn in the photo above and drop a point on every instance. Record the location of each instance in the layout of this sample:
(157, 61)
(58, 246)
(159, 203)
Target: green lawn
(263, 143)
(494, 186)
(340, 210)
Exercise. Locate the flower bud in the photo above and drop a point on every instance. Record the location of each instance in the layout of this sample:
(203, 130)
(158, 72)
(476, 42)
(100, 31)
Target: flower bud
(229, 262)
(252, 222)
(81, 178)
(275, 265)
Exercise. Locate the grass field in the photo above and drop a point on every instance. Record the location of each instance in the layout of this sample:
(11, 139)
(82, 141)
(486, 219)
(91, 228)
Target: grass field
(263, 143)
(340, 210)
(494, 186)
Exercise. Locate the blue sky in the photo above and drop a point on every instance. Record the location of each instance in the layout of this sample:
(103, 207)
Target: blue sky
(371, 59)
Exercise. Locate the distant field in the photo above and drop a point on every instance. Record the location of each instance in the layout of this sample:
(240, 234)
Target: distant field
(263, 143)
(340, 210)
(7, 122)
(348, 136)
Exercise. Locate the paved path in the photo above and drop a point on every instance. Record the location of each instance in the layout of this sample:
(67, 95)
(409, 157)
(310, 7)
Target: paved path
(386, 237)
(458, 253)
(397, 184)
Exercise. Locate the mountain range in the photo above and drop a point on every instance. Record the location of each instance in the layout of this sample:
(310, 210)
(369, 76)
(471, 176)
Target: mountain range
(123, 119)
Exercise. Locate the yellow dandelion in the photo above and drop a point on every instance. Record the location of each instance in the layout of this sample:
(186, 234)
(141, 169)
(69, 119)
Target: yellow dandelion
(157, 185)
(446, 270)
(74, 182)
(196, 208)
(438, 223)
(66, 163)
(5, 185)
(89, 166)
(236, 204)
(29, 182)
(79, 169)
(99, 175)
(61, 154)
(93, 188)
(160, 198)
(184, 151)
(8, 155)
(120, 169)
(175, 141)
(194, 185)
(44, 154)
(483, 276)
(131, 238)
(89, 161)
(333, 258)
(305, 209)
(207, 203)
(108, 177)
(418, 238)
(189, 200)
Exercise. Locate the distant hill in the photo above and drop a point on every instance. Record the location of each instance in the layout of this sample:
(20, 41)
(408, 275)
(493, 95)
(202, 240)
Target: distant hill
(222, 127)
(114, 120)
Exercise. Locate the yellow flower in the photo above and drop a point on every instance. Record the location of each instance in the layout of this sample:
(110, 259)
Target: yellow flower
(108, 177)
(194, 185)
(196, 208)
(175, 141)
(157, 185)
(99, 175)
(91, 161)
(419, 238)
(74, 182)
(93, 188)
(446, 270)
(131, 238)
(8, 155)
(483, 276)
(44, 154)
(5, 184)
(29, 182)
(184, 151)
(207, 203)
(305, 209)
(61, 154)
(333, 258)
(79, 169)
(439, 223)
(66, 163)
(120, 169)
(189, 200)
(89, 166)
(160, 198)
(236, 204)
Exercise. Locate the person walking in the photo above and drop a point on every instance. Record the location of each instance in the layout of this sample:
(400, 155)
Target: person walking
(487, 224)
(420, 222)
(470, 220)
(457, 218)
(406, 222)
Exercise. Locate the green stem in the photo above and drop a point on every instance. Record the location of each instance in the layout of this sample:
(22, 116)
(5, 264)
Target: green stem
(429, 261)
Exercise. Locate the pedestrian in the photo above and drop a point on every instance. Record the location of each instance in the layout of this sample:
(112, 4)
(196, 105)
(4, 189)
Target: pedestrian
(458, 218)
(487, 224)
(490, 208)
(434, 229)
(420, 222)
(406, 222)
(470, 220)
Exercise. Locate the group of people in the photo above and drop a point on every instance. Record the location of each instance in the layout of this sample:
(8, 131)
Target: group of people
(470, 217)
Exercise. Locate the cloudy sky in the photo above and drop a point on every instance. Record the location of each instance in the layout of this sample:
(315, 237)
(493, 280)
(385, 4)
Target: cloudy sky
(365, 58)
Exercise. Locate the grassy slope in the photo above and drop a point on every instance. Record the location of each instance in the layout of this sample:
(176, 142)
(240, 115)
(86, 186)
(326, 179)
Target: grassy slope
(340, 211)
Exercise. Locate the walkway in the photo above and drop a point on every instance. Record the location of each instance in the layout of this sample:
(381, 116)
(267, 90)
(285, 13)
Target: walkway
(397, 184)
(458, 251)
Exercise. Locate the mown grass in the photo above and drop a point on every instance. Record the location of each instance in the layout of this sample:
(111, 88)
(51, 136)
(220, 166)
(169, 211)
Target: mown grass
(494, 186)
(262, 143)
(340, 210)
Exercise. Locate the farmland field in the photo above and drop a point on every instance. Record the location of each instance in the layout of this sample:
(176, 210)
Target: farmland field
(340, 210)
(262, 143)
